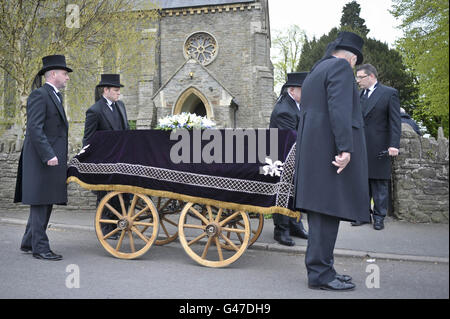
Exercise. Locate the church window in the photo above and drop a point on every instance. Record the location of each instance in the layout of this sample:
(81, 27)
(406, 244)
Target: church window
(201, 46)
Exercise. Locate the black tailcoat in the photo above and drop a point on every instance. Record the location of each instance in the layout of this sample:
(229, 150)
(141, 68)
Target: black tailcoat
(45, 137)
(330, 123)
(100, 118)
(285, 114)
(382, 126)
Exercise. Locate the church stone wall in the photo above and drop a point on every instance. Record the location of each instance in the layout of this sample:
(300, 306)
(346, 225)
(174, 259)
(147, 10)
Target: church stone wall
(242, 64)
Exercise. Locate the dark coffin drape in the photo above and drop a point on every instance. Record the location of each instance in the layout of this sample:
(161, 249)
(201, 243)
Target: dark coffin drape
(139, 161)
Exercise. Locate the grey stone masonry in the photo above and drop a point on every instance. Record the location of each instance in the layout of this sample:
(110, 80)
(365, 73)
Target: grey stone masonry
(420, 178)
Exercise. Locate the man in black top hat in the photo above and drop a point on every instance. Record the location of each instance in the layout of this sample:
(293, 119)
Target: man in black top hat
(331, 160)
(41, 178)
(382, 126)
(107, 114)
(285, 116)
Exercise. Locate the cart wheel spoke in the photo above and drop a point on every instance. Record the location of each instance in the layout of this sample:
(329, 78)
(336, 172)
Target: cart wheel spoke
(133, 205)
(205, 250)
(236, 248)
(196, 239)
(113, 210)
(219, 248)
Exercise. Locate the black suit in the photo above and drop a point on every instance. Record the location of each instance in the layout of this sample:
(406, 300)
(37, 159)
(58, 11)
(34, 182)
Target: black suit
(38, 184)
(285, 115)
(100, 117)
(381, 112)
(330, 123)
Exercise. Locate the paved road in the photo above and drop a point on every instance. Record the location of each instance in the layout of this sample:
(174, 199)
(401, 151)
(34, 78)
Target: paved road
(167, 272)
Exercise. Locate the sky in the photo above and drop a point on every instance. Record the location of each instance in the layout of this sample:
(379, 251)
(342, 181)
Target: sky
(318, 17)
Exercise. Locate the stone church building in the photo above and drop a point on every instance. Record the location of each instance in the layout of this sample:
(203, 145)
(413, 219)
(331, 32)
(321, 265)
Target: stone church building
(212, 57)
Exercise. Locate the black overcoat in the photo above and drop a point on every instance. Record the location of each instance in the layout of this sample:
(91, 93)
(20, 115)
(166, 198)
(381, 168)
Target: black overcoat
(382, 126)
(45, 137)
(330, 123)
(285, 114)
(99, 118)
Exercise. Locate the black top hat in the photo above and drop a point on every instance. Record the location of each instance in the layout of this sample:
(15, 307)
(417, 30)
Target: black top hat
(110, 80)
(351, 42)
(54, 62)
(294, 79)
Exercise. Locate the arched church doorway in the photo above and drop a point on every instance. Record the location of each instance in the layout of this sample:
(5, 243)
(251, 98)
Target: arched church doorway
(193, 101)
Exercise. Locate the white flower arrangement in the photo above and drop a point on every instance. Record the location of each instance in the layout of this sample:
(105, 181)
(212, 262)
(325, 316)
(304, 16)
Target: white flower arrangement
(185, 121)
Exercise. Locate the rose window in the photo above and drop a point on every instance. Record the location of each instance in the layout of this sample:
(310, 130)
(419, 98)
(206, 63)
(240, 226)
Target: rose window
(201, 46)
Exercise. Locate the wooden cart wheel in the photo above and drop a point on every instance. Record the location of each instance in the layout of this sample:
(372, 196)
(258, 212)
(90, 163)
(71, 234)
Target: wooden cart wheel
(212, 228)
(256, 226)
(136, 236)
(168, 222)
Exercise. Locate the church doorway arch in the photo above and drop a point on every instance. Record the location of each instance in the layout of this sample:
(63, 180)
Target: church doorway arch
(193, 101)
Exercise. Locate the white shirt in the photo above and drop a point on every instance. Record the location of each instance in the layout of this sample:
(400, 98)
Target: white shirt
(298, 104)
(371, 89)
(55, 90)
(109, 103)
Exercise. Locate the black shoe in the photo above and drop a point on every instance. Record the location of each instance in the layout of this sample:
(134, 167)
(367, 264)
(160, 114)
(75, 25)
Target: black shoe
(335, 285)
(378, 224)
(26, 250)
(284, 240)
(343, 278)
(299, 232)
(47, 256)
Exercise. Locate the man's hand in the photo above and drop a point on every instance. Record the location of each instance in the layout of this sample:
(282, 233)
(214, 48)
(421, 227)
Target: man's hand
(53, 161)
(341, 161)
(393, 151)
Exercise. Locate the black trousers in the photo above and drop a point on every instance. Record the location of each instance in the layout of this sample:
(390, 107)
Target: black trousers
(284, 224)
(35, 236)
(319, 259)
(379, 192)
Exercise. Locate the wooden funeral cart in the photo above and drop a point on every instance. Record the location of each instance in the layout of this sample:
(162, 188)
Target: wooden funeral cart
(159, 189)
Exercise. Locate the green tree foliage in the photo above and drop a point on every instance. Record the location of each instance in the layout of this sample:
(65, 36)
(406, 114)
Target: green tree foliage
(424, 46)
(351, 21)
(287, 48)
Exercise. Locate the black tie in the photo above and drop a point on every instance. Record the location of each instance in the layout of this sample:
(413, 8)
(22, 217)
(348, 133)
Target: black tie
(366, 94)
(113, 106)
(60, 97)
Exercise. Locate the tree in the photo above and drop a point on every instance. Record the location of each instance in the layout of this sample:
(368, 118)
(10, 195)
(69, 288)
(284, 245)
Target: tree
(288, 46)
(351, 21)
(424, 47)
(389, 64)
(95, 36)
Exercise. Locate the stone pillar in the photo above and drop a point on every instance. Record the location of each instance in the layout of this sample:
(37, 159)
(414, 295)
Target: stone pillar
(420, 178)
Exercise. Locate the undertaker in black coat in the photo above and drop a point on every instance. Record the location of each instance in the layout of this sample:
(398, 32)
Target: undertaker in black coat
(107, 114)
(331, 159)
(42, 173)
(285, 115)
(382, 125)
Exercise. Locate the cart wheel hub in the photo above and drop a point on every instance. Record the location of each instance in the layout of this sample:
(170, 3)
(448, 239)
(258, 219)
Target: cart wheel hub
(212, 229)
(122, 224)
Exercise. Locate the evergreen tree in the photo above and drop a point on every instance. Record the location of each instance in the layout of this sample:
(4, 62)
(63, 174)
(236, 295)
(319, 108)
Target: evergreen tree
(351, 21)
